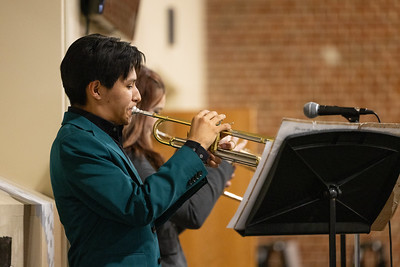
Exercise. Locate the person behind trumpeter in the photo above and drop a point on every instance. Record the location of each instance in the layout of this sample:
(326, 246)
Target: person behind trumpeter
(137, 142)
(107, 211)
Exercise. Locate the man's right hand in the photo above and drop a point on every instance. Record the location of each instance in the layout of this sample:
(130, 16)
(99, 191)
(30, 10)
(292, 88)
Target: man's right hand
(206, 125)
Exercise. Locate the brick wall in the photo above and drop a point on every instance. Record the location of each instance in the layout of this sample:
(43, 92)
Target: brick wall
(275, 56)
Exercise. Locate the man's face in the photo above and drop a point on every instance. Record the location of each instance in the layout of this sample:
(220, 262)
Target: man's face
(121, 98)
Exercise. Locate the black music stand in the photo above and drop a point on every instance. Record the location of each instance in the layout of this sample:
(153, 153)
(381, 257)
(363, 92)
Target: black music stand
(326, 182)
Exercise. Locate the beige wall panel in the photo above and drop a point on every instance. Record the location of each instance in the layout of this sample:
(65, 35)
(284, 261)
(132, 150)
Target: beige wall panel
(31, 95)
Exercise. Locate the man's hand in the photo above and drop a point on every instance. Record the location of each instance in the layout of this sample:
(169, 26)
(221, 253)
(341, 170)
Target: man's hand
(206, 125)
(213, 161)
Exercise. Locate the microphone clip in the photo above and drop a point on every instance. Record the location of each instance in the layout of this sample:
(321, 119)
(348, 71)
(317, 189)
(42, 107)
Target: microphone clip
(352, 117)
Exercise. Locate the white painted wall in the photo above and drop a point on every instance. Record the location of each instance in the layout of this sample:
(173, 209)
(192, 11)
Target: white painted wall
(31, 95)
(182, 64)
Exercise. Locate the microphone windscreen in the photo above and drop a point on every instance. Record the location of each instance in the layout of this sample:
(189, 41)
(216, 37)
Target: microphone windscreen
(310, 109)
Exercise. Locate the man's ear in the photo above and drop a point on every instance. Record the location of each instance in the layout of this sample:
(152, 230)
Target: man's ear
(93, 89)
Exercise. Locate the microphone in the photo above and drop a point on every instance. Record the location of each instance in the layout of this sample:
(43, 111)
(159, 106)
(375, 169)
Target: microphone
(312, 110)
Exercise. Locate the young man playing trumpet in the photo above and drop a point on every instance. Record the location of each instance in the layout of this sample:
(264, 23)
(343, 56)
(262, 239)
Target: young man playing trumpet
(107, 211)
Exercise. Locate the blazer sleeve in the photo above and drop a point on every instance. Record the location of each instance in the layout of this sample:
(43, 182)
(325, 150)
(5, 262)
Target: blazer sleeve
(83, 167)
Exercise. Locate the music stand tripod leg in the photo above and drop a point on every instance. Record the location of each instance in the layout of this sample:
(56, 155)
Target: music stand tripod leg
(357, 250)
(333, 194)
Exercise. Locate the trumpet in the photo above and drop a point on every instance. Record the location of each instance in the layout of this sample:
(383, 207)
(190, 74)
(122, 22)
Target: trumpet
(241, 157)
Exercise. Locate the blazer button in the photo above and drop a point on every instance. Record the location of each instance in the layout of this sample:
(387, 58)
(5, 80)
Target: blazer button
(153, 229)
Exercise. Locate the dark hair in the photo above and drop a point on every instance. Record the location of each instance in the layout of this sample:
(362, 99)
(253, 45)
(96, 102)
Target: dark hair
(136, 139)
(97, 57)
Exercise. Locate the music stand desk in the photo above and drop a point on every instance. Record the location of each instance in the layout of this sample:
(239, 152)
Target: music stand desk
(326, 182)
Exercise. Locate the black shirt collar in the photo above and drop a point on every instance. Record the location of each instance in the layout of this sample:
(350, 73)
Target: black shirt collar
(115, 131)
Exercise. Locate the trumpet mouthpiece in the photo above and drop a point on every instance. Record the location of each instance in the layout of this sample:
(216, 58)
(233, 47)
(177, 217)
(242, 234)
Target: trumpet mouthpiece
(135, 110)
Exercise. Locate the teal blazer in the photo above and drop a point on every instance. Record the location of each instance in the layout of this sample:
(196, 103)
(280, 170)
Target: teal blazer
(107, 212)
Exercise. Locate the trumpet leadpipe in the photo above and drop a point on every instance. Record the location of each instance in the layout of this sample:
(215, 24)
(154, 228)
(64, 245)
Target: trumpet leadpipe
(136, 110)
